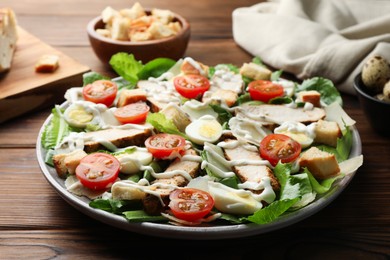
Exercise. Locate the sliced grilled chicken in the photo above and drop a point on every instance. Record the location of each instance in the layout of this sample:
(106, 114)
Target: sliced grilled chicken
(277, 114)
(250, 172)
(118, 137)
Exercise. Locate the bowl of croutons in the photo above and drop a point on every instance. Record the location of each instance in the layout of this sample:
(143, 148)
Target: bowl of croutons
(145, 33)
(372, 87)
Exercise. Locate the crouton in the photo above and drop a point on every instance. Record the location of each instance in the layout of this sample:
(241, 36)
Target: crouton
(180, 118)
(311, 96)
(67, 163)
(136, 11)
(119, 30)
(165, 16)
(227, 96)
(108, 14)
(255, 71)
(140, 36)
(327, 132)
(129, 96)
(190, 66)
(117, 137)
(47, 63)
(159, 30)
(321, 164)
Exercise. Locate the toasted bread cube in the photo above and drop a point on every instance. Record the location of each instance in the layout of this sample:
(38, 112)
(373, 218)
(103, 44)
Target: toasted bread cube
(180, 118)
(120, 27)
(175, 26)
(190, 66)
(108, 14)
(47, 63)
(311, 96)
(67, 163)
(255, 71)
(228, 96)
(104, 32)
(327, 132)
(129, 96)
(136, 11)
(139, 36)
(165, 16)
(159, 30)
(321, 164)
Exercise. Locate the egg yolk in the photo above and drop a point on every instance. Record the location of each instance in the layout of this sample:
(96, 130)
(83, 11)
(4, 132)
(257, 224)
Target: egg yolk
(209, 130)
(80, 115)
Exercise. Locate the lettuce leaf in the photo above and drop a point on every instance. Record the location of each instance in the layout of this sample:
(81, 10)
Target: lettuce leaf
(329, 92)
(343, 148)
(163, 124)
(272, 211)
(141, 216)
(155, 68)
(114, 206)
(55, 130)
(91, 76)
(325, 185)
(294, 186)
(126, 66)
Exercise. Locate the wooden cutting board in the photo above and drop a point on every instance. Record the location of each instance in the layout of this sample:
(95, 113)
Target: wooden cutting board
(23, 90)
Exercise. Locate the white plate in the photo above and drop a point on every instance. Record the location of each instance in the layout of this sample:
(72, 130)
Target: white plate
(182, 232)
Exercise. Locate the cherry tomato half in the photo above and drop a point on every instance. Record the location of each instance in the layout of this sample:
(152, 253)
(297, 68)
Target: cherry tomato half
(264, 90)
(101, 91)
(134, 113)
(190, 204)
(275, 147)
(164, 146)
(191, 86)
(98, 171)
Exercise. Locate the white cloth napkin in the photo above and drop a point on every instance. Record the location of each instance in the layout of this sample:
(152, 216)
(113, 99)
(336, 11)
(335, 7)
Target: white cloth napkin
(327, 38)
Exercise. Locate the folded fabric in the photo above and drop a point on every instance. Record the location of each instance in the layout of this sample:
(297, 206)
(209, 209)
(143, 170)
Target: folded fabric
(308, 38)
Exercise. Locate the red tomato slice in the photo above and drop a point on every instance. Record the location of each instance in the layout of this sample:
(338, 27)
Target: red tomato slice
(190, 204)
(98, 171)
(191, 86)
(101, 91)
(134, 113)
(164, 146)
(275, 147)
(264, 90)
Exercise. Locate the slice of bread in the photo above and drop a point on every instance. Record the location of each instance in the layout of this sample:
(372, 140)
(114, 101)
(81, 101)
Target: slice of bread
(8, 38)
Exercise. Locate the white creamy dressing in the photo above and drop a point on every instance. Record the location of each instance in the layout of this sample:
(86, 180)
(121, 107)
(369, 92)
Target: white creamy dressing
(196, 65)
(149, 189)
(226, 79)
(248, 129)
(268, 195)
(74, 94)
(288, 86)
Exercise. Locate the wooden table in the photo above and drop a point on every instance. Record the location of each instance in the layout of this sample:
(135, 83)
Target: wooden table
(36, 223)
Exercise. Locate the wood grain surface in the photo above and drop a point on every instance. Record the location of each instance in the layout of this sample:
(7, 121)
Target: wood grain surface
(22, 89)
(36, 223)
